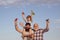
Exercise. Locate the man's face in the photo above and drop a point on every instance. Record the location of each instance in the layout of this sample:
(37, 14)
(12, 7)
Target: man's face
(27, 26)
(35, 26)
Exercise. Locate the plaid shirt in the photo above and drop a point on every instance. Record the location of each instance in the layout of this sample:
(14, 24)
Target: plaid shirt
(38, 35)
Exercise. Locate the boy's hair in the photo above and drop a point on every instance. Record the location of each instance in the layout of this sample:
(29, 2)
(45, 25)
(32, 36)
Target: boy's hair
(29, 16)
(27, 24)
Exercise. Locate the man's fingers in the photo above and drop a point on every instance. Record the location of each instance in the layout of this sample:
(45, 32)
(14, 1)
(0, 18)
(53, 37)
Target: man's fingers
(16, 19)
(47, 19)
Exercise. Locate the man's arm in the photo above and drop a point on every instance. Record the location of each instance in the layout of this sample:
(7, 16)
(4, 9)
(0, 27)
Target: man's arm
(47, 26)
(16, 26)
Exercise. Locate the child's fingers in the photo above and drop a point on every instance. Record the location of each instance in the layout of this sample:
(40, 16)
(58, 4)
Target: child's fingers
(22, 13)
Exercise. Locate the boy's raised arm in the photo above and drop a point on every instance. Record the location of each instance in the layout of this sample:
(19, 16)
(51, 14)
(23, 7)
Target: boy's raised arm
(23, 16)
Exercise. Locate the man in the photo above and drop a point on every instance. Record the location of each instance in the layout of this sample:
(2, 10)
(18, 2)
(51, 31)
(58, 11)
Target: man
(26, 33)
(38, 33)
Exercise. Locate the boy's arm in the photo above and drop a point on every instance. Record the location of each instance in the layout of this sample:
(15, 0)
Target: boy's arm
(16, 27)
(23, 16)
(32, 14)
(31, 33)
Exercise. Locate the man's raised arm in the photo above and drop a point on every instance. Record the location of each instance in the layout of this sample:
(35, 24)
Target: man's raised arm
(16, 26)
(47, 26)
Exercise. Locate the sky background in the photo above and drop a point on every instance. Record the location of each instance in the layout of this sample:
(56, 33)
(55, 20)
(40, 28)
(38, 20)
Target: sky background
(43, 9)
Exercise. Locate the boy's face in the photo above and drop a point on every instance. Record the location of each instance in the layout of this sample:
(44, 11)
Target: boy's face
(28, 19)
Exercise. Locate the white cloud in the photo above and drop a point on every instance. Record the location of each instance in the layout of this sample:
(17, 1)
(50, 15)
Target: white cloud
(29, 2)
(7, 2)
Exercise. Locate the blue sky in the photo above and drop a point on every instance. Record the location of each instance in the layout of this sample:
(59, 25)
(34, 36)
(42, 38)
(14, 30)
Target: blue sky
(11, 9)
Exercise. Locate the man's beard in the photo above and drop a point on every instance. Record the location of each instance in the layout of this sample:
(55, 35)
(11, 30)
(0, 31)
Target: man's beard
(27, 29)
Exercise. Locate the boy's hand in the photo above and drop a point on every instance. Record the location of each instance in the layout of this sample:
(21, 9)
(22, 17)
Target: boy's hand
(23, 14)
(30, 36)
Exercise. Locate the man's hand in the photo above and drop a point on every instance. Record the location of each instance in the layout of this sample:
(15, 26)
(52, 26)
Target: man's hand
(47, 20)
(15, 21)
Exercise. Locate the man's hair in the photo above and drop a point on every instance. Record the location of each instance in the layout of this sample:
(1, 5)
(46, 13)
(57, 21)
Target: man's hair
(27, 24)
(27, 29)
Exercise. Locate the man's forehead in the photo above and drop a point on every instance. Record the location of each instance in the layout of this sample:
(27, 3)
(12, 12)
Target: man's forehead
(27, 24)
